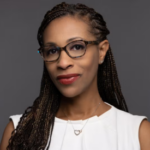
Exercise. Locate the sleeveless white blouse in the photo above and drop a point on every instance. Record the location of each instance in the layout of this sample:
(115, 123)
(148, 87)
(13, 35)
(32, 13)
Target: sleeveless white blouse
(113, 130)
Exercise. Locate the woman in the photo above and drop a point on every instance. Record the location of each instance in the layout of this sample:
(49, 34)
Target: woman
(80, 105)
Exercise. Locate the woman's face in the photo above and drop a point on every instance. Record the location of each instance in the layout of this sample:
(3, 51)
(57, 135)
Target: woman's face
(59, 31)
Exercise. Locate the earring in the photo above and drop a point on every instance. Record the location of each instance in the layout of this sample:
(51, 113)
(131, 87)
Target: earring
(102, 61)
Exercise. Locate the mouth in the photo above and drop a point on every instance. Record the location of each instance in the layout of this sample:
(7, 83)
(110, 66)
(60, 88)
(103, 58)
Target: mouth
(68, 79)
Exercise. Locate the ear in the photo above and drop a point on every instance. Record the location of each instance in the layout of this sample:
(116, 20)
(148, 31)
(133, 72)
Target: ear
(103, 48)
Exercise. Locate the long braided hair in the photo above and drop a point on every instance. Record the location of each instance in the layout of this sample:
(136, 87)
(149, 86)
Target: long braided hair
(35, 127)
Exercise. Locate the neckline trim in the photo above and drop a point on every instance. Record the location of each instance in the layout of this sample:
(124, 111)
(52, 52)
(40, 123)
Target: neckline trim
(91, 119)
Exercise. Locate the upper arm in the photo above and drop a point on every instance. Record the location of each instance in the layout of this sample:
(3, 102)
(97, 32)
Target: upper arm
(6, 135)
(144, 135)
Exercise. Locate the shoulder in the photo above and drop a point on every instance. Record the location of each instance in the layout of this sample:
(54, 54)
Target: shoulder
(144, 135)
(15, 119)
(138, 127)
(12, 124)
(6, 135)
(129, 118)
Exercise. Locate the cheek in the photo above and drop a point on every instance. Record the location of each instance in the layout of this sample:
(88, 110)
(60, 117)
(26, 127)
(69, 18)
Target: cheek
(90, 63)
(51, 70)
(89, 66)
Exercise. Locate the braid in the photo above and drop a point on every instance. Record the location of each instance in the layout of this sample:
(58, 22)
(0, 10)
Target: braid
(36, 124)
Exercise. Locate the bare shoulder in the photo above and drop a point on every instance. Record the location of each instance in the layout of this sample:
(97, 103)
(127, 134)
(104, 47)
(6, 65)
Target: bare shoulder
(6, 135)
(144, 135)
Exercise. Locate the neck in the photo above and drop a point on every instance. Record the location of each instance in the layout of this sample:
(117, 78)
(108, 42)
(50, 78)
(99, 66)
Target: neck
(80, 108)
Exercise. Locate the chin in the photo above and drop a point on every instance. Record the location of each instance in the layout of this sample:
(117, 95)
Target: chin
(70, 92)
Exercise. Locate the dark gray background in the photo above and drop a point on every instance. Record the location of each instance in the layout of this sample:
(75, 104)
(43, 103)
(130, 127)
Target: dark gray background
(21, 66)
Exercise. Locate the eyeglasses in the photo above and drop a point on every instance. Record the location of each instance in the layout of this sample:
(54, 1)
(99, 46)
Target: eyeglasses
(74, 49)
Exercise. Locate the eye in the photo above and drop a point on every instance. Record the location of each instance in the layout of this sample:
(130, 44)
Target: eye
(77, 47)
(51, 50)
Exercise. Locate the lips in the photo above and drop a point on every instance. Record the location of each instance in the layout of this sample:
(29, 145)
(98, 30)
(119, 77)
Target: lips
(67, 79)
(67, 76)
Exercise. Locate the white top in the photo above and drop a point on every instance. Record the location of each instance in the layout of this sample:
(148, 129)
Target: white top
(113, 130)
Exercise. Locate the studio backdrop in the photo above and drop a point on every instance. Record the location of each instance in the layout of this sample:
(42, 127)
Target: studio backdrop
(21, 66)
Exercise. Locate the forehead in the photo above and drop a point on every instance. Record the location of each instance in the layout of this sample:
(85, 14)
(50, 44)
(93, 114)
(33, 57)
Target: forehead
(66, 27)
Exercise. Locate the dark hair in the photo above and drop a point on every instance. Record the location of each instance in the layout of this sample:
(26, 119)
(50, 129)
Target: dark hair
(36, 124)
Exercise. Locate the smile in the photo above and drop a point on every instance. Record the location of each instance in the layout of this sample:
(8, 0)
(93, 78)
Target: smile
(68, 80)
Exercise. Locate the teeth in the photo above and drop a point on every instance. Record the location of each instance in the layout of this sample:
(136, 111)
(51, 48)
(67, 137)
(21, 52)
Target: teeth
(69, 77)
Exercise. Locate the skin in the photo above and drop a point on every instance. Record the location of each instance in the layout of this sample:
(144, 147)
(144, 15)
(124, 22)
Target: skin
(79, 99)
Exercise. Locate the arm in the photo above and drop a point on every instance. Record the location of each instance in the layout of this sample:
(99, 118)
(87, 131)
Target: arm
(144, 135)
(6, 135)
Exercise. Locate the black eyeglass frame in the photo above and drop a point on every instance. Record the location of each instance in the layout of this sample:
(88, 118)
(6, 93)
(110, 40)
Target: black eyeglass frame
(64, 48)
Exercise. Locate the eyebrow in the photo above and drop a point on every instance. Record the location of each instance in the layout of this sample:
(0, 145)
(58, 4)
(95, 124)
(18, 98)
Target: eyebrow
(69, 40)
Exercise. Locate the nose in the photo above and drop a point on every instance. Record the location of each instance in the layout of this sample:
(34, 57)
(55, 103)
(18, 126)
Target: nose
(64, 60)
